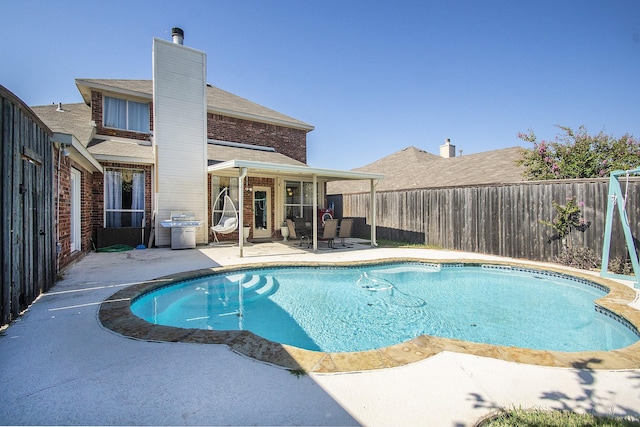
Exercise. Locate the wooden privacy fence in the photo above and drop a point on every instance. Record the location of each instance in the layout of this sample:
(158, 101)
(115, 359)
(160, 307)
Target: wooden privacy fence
(27, 235)
(500, 220)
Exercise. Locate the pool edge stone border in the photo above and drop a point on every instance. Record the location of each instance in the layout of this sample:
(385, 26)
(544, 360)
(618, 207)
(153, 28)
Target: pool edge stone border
(115, 315)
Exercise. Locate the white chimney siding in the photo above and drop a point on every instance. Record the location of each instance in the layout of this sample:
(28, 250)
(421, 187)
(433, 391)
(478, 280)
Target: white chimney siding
(180, 135)
(447, 150)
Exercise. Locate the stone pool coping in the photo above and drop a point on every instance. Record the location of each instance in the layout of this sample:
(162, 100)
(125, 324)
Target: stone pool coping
(115, 314)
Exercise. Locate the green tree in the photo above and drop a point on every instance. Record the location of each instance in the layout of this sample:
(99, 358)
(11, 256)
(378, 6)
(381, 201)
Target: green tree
(576, 154)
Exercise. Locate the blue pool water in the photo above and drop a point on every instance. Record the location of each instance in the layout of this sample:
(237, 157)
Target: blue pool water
(339, 309)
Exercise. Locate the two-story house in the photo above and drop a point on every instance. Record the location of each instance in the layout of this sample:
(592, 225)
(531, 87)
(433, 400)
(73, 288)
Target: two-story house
(136, 151)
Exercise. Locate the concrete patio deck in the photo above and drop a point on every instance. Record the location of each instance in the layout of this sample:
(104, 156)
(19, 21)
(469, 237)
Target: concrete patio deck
(60, 366)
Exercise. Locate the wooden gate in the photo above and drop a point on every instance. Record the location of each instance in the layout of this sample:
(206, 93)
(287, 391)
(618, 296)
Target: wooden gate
(27, 235)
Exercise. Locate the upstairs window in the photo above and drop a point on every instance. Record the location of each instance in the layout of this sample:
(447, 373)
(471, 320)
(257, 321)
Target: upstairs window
(127, 115)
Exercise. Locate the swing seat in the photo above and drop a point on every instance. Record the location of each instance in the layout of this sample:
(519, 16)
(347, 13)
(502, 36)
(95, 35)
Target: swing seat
(228, 226)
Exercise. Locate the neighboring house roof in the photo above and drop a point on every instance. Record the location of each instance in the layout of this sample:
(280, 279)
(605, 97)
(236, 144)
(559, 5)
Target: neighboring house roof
(218, 101)
(72, 119)
(412, 168)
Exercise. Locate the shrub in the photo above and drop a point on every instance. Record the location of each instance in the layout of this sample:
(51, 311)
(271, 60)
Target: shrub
(578, 257)
(621, 265)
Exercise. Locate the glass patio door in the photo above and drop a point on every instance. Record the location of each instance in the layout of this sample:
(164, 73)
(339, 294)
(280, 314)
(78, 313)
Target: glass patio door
(261, 212)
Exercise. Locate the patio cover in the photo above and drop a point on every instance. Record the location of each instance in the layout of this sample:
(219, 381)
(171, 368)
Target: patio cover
(242, 168)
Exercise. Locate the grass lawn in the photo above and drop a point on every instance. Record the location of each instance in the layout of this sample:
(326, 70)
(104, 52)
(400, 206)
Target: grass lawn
(531, 418)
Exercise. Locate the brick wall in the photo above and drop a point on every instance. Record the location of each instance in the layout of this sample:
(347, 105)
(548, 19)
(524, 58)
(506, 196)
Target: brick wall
(62, 202)
(63, 211)
(288, 141)
(86, 209)
(96, 116)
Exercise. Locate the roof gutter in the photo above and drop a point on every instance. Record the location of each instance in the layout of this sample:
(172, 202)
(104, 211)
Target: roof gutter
(337, 175)
(121, 159)
(79, 152)
(88, 86)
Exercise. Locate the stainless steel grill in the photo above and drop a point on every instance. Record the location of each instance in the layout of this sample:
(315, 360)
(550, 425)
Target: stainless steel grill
(183, 229)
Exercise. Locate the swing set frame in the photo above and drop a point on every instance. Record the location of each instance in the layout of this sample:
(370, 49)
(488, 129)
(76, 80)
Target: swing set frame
(617, 197)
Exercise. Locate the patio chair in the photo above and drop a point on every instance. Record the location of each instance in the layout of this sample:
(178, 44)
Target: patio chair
(346, 226)
(302, 231)
(330, 231)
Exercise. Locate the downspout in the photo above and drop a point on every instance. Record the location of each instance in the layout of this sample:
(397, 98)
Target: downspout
(243, 174)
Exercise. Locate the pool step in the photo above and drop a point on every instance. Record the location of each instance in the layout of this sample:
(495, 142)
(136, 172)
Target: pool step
(251, 283)
(258, 287)
(222, 292)
(253, 286)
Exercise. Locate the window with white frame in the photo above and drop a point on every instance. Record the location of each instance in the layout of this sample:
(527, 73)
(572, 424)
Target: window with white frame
(298, 200)
(124, 114)
(123, 198)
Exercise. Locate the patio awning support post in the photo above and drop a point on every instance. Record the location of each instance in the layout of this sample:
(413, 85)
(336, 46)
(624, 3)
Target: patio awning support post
(243, 174)
(314, 221)
(372, 205)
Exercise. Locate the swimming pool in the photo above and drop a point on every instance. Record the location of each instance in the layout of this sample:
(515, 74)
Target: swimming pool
(365, 307)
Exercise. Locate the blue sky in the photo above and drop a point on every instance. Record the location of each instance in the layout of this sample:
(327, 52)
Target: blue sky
(373, 77)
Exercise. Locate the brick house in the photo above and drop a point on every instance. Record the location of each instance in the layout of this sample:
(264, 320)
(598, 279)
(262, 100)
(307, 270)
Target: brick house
(135, 151)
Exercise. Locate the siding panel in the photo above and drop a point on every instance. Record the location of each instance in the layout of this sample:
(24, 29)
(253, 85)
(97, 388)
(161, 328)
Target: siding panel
(180, 126)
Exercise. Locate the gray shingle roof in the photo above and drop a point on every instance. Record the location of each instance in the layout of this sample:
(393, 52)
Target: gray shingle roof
(75, 119)
(218, 100)
(103, 149)
(412, 168)
(221, 153)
